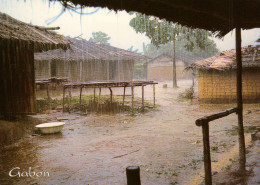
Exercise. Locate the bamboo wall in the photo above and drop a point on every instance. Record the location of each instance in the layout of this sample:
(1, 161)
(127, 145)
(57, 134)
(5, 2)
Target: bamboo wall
(17, 87)
(78, 71)
(220, 87)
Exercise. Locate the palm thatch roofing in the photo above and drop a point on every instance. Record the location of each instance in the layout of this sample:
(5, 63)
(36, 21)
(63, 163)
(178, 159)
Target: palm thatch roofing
(13, 29)
(82, 49)
(220, 16)
(227, 60)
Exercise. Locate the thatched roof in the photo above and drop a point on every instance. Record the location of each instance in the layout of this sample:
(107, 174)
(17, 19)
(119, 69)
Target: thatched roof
(84, 50)
(13, 29)
(219, 16)
(227, 60)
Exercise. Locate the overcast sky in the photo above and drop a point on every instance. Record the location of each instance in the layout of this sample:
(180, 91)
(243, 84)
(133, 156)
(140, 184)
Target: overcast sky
(116, 25)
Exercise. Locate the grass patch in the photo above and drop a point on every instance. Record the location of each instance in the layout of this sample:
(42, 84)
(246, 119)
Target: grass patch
(188, 94)
(89, 105)
(247, 129)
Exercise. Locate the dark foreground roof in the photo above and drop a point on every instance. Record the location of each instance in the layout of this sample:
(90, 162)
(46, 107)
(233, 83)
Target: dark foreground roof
(219, 16)
(84, 50)
(227, 59)
(13, 29)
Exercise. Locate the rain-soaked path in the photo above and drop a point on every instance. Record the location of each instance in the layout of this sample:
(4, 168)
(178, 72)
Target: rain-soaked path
(96, 149)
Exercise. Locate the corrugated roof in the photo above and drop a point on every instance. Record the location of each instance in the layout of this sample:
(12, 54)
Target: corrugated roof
(227, 59)
(84, 50)
(13, 29)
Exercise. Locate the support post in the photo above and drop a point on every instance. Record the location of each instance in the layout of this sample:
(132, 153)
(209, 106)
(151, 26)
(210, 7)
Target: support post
(111, 95)
(99, 94)
(80, 93)
(143, 97)
(63, 99)
(206, 152)
(153, 95)
(133, 175)
(48, 93)
(124, 97)
(241, 137)
(94, 99)
(132, 89)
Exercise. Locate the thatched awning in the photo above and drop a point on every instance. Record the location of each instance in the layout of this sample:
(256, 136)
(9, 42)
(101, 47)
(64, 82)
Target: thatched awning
(219, 16)
(84, 50)
(227, 60)
(13, 29)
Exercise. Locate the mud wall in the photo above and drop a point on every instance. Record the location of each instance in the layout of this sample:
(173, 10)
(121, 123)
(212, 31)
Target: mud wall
(220, 86)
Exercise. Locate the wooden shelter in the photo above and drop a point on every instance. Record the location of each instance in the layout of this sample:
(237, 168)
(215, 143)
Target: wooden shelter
(87, 61)
(18, 42)
(217, 76)
(160, 68)
(219, 16)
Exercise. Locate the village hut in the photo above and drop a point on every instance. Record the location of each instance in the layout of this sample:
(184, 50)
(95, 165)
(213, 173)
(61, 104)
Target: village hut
(160, 68)
(217, 76)
(87, 61)
(18, 42)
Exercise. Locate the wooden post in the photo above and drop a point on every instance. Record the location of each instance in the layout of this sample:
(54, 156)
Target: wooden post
(153, 95)
(206, 152)
(99, 98)
(241, 137)
(124, 97)
(47, 89)
(80, 93)
(143, 97)
(64, 88)
(132, 89)
(133, 175)
(94, 99)
(70, 98)
(111, 95)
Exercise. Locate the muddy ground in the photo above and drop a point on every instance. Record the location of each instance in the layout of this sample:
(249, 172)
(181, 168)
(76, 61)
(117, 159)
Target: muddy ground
(97, 148)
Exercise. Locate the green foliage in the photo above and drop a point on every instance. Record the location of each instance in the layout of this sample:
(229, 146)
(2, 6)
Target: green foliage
(100, 37)
(162, 32)
(188, 94)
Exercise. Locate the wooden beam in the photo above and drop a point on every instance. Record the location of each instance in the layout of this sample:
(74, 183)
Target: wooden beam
(132, 89)
(111, 95)
(153, 95)
(124, 97)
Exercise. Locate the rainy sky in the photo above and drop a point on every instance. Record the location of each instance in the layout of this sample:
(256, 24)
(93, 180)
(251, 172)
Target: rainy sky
(116, 25)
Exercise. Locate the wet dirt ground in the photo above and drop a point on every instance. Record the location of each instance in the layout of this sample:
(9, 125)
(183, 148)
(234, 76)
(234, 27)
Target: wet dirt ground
(97, 148)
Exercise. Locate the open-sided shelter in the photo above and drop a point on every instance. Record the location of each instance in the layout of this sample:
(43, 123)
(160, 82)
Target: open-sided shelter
(87, 61)
(217, 76)
(18, 42)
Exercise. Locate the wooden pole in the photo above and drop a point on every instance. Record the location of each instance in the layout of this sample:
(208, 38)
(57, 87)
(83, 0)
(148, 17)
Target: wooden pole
(48, 94)
(99, 98)
(241, 137)
(153, 95)
(206, 152)
(124, 97)
(132, 88)
(142, 97)
(133, 175)
(174, 78)
(80, 93)
(111, 95)
(63, 99)
(94, 99)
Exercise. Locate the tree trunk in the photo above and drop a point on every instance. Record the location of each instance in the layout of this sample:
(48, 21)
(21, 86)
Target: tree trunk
(174, 80)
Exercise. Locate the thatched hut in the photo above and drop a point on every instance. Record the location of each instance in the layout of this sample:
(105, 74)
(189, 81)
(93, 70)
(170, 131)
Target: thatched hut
(217, 76)
(87, 61)
(18, 42)
(160, 68)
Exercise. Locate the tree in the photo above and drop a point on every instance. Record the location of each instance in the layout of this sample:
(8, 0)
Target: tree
(100, 38)
(162, 32)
